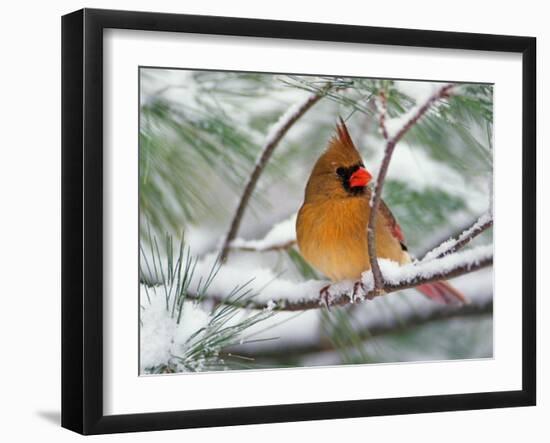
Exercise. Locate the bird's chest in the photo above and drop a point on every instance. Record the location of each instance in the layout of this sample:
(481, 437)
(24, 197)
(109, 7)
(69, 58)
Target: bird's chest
(333, 238)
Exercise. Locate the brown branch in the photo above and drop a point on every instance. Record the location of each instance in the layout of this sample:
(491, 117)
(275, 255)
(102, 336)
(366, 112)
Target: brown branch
(452, 245)
(383, 113)
(444, 237)
(375, 199)
(277, 247)
(376, 330)
(345, 299)
(267, 151)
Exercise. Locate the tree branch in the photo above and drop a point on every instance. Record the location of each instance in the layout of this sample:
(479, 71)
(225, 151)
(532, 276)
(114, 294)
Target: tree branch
(383, 112)
(375, 199)
(376, 330)
(452, 245)
(450, 267)
(444, 237)
(278, 247)
(274, 137)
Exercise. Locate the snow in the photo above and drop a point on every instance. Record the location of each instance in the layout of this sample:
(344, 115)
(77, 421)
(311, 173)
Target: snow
(161, 336)
(270, 288)
(266, 283)
(264, 280)
(449, 244)
(395, 274)
(282, 233)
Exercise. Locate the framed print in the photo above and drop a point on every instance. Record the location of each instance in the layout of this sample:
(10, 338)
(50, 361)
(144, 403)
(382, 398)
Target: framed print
(270, 221)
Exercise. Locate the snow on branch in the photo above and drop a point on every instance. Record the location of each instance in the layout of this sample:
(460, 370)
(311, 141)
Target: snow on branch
(411, 119)
(259, 246)
(274, 136)
(454, 244)
(396, 278)
(280, 238)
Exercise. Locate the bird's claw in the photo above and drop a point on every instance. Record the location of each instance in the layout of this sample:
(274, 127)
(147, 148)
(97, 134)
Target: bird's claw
(356, 286)
(324, 293)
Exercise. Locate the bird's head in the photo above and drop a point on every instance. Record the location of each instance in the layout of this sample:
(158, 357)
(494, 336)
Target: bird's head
(339, 172)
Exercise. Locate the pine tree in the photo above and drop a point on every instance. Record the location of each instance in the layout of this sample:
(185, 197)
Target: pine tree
(201, 134)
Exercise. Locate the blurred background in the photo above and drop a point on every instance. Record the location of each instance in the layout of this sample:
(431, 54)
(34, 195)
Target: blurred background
(201, 133)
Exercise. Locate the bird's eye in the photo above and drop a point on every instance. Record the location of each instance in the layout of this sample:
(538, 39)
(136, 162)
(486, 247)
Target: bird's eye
(340, 171)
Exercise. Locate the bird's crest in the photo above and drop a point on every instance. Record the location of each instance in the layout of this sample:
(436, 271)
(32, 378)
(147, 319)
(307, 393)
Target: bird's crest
(341, 148)
(324, 181)
(343, 136)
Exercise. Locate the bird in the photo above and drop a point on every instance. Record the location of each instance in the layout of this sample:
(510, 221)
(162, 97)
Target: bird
(332, 223)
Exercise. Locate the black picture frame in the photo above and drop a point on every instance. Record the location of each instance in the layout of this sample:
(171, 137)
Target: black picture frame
(82, 220)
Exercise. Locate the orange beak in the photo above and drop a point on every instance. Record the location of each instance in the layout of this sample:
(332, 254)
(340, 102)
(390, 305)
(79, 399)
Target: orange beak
(360, 178)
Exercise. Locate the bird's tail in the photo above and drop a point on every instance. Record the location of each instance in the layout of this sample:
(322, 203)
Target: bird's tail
(442, 292)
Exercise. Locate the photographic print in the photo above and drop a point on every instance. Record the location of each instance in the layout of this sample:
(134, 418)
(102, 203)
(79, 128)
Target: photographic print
(291, 221)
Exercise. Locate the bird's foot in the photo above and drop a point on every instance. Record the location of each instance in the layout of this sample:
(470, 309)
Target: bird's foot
(324, 293)
(356, 286)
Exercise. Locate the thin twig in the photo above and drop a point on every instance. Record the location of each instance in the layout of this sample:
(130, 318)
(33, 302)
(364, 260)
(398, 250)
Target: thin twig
(345, 299)
(383, 112)
(278, 247)
(271, 143)
(444, 237)
(452, 245)
(375, 200)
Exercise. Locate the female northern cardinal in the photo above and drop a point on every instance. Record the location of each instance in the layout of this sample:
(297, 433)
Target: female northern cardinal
(332, 223)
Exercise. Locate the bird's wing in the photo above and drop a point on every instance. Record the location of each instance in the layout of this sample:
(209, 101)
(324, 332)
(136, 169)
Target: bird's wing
(440, 291)
(391, 222)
